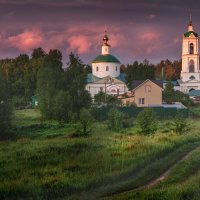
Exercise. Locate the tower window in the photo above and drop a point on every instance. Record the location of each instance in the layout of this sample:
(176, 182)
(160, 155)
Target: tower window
(97, 69)
(116, 68)
(191, 48)
(191, 66)
(107, 68)
(192, 77)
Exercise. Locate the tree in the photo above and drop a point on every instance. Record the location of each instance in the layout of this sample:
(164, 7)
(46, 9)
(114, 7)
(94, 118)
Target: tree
(146, 121)
(139, 71)
(169, 93)
(62, 106)
(75, 82)
(86, 121)
(115, 120)
(5, 107)
(49, 83)
(179, 125)
(102, 98)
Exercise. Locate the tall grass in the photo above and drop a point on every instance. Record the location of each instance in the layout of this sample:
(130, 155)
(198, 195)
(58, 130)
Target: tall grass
(48, 162)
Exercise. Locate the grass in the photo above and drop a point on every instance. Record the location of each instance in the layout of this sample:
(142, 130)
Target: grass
(48, 162)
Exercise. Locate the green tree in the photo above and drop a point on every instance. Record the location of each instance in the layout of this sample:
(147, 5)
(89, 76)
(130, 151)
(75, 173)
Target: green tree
(62, 106)
(115, 119)
(139, 71)
(169, 93)
(49, 83)
(75, 82)
(5, 107)
(102, 98)
(86, 121)
(146, 120)
(179, 124)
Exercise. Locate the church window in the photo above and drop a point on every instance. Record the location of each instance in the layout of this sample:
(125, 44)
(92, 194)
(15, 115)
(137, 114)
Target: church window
(191, 66)
(192, 77)
(97, 69)
(191, 48)
(107, 68)
(116, 68)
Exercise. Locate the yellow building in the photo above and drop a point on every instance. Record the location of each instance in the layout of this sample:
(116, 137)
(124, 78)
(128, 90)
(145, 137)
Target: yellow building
(148, 92)
(144, 93)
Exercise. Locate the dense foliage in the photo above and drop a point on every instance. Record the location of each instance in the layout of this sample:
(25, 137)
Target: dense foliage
(170, 96)
(139, 71)
(146, 121)
(5, 107)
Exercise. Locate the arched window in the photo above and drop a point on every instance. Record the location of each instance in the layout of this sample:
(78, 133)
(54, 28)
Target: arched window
(191, 66)
(192, 77)
(107, 68)
(191, 48)
(116, 68)
(97, 69)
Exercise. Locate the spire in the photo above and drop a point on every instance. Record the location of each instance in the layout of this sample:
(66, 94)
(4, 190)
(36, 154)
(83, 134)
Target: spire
(190, 27)
(190, 22)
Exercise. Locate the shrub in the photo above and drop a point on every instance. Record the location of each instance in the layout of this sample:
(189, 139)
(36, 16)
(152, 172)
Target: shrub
(85, 121)
(179, 125)
(114, 119)
(146, 120)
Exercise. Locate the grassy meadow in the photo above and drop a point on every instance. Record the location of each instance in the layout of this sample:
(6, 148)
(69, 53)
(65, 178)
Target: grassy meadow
(48, 161)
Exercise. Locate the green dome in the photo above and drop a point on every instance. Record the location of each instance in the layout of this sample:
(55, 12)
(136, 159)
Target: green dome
(106, 58)
(187, 34)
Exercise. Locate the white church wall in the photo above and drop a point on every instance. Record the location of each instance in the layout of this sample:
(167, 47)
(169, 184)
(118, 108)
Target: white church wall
(112, 89)
(99, 69)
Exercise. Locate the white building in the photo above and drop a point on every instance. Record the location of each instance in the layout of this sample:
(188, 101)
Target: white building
(106, 75)
(190, 74)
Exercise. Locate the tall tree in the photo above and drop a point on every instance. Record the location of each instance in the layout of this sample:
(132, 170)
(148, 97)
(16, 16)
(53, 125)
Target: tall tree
(49, 83)
(75, 82)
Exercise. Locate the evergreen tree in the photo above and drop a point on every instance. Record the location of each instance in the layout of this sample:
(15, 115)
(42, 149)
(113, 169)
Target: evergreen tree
(75, 82)
(49, 83)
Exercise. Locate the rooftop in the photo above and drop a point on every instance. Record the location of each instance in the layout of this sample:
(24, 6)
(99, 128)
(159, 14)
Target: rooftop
(106, 58)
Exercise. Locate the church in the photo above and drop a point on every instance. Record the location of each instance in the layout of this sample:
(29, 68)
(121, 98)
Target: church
(106, 76)
(190, 73)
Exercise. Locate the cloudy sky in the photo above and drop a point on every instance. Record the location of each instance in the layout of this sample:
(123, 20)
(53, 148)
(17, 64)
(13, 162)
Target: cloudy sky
(137, 29)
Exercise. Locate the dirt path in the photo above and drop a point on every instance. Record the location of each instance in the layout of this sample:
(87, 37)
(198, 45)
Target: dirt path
(157, 180)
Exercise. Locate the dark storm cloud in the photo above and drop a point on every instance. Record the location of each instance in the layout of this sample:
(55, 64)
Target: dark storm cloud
(138, 29)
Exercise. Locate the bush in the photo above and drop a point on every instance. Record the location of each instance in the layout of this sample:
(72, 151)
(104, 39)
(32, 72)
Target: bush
(127, 121)
(146, 120)
(85, 122)
(115, 119)
(179, 125)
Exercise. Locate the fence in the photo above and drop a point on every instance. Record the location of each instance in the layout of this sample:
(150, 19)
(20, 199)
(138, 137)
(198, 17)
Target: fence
(162, 113)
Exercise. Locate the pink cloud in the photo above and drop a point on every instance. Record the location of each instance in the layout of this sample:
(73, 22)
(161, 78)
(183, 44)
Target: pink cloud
(148, 36)
(81, 43)
(26, 40)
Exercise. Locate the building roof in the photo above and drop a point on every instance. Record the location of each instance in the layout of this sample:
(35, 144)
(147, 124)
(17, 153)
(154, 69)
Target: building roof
(194, 93)
(106, 58)
(174, 83)
(91, 78)
(136, 83)
(187, 34)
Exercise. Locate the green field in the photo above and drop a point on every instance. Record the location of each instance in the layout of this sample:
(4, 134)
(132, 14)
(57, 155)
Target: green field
(47, 161)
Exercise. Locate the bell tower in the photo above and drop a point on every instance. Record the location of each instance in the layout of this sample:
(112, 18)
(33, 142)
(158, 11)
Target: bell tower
(190, 55)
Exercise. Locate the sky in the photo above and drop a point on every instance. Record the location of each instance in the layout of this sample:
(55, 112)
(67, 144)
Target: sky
(137, 29)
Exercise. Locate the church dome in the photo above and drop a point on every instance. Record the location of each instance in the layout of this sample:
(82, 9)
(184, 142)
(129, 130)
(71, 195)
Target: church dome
(108, 58)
